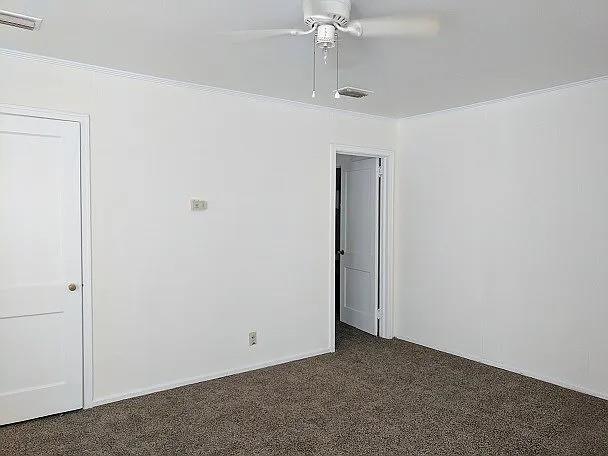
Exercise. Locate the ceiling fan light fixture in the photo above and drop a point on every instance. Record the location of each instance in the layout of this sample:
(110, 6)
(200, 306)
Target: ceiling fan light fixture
(326, 36)
(19, 20)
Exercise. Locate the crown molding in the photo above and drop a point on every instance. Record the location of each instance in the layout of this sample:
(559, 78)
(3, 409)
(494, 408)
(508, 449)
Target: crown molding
(556, 88)
(176, 83)
(252, 96)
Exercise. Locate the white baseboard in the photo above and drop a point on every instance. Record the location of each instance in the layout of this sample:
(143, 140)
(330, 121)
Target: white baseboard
(203, 378)
(524, 372)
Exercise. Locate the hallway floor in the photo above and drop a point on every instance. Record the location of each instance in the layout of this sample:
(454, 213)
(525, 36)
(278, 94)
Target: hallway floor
(372, 397)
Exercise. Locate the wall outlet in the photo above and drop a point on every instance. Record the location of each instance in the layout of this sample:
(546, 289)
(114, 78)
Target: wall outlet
(253, 338)
(198, 205)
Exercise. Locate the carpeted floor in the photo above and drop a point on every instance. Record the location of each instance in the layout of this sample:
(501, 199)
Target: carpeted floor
(372, 397)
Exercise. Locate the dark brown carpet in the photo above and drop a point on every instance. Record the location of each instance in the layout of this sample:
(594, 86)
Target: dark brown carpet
(372, 397)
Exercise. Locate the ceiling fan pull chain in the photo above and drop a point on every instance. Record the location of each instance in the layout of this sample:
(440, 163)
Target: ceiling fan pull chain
(337, 95)
(314, 65)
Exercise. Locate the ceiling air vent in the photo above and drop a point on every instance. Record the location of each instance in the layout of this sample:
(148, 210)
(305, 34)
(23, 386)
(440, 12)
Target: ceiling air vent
(353, 92)
(19, 20)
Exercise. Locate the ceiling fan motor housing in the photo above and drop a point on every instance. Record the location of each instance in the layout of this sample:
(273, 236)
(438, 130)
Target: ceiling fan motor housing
(326, 12)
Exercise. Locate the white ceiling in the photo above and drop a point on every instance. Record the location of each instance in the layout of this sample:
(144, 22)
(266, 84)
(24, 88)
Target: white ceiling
(486, 49)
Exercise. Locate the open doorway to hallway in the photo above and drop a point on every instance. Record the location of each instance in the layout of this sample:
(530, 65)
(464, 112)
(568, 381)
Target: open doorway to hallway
(357, 241)
(360, 241)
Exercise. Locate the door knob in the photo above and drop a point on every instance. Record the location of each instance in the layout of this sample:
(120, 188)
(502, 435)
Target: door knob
(341, 252)
(72, 287)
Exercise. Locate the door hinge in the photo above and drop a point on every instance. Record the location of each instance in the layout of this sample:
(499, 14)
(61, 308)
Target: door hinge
(379, 314)
(380, 171)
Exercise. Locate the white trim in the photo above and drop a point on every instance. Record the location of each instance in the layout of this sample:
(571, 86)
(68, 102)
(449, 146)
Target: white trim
(219, 90)
(568, 85)
(524, 372)
(176, 83)
(386, 326)
(85, 203)
(203, 378)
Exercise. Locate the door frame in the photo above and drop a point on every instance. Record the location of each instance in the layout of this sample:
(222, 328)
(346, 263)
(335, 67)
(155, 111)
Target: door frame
(85, 214)
(385, 278)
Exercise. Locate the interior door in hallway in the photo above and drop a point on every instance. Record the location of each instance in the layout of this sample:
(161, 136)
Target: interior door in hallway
(359, 242)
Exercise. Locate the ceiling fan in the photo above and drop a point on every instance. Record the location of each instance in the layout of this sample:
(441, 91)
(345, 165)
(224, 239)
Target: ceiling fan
(327, 19)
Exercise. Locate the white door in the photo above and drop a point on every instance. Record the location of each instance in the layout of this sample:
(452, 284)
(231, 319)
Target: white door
(359, 239)
(40, 317)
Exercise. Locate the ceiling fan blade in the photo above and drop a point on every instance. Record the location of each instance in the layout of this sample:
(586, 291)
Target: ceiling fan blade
(396, 26)
(250, 35)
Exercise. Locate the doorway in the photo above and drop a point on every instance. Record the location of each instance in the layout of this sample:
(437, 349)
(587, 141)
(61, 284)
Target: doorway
(337, 239)
(44, 264)
(361, 197)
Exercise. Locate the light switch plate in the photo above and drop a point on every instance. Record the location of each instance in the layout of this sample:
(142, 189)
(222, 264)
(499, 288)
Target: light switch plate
(198, 204)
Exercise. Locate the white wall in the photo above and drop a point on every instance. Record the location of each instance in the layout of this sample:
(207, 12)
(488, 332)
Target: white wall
(176, 293)
(501, 227)
(503, 234)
